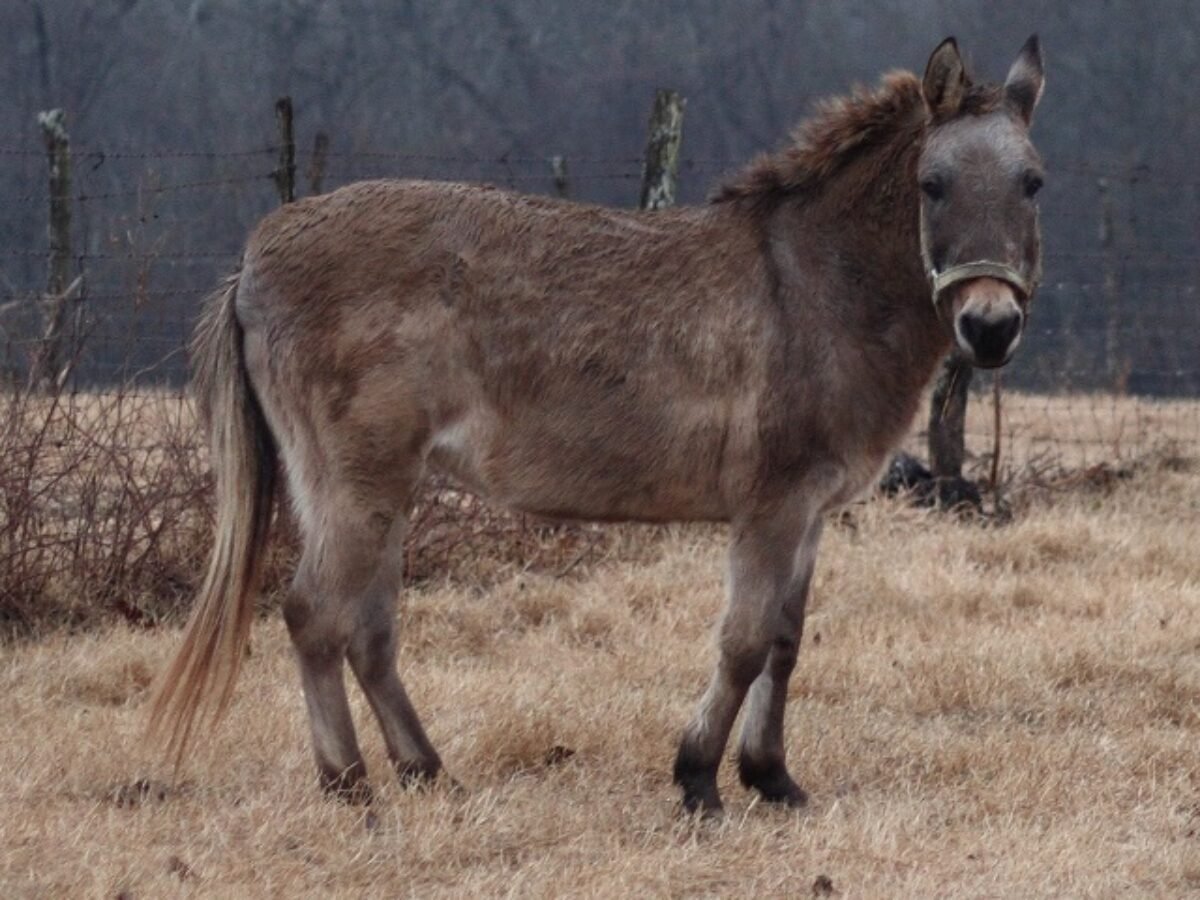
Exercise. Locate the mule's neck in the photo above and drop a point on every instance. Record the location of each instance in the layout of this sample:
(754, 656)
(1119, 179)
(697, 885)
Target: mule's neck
(866, 222)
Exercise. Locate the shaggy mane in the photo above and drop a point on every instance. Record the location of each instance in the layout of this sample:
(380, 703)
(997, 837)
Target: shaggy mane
(841, 129)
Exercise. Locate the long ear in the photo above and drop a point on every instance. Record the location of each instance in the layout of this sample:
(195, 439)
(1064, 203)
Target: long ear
(945, 80)
(1026, 79)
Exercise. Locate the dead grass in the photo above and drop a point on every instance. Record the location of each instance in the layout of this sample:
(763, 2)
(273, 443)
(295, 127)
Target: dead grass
(979, 711)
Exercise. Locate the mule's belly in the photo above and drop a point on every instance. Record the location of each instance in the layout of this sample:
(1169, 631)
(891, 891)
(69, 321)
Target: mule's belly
(580, 468)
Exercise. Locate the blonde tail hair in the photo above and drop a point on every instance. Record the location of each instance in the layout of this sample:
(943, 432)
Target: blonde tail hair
(205, 667)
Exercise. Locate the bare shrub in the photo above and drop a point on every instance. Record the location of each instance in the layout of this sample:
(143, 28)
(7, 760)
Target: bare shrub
(106, 512)
(104, 507)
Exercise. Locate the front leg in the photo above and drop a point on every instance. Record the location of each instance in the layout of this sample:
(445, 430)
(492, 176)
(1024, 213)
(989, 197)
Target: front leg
(705, 737)
(765, 573)
(761, 753)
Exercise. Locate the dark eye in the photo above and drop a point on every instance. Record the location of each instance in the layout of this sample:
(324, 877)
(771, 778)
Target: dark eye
(933, 187)
(1032, 184)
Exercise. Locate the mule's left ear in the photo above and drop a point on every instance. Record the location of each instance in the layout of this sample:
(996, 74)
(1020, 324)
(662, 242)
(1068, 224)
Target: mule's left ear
(945, 80)
(1026, 78)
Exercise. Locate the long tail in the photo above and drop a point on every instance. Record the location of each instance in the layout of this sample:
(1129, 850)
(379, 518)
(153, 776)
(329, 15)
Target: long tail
(205, 668)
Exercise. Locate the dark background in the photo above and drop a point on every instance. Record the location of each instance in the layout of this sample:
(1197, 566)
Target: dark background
(170, 109)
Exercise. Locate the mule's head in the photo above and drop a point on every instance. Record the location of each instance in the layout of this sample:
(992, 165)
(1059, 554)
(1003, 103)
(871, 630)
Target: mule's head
(979, 177)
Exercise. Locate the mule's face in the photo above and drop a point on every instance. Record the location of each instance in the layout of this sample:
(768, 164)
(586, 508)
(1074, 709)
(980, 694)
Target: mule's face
(979, 176)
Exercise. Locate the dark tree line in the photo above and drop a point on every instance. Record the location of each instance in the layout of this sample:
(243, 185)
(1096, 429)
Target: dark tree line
(492, 91)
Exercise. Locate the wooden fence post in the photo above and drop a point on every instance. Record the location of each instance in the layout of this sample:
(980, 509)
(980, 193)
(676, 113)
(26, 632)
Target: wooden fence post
(51, 360)
(316, 166)
(1117, 377)
(948, 416)
(562, 186)
(662, 151)
(285, 172)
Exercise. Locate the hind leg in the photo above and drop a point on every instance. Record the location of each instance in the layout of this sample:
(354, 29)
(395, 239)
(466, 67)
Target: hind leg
(320, 646)
(372, 655)
(335, 575)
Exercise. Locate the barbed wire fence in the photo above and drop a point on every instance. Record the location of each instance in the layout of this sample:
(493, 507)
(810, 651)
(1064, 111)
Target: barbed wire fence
(105, 497)
(1110, 368)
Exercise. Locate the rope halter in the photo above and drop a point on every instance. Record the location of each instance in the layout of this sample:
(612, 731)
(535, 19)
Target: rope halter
(980, 269)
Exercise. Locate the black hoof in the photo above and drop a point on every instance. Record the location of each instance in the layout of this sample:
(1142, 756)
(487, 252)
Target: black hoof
(699, 785)
(706, 805)
(348, 785)
(772, 782)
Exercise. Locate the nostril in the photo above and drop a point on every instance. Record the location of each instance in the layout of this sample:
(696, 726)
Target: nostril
(990, 340)
(1007, 331)
(971, 327)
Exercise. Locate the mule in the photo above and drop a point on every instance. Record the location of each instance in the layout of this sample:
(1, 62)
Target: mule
(751, 361)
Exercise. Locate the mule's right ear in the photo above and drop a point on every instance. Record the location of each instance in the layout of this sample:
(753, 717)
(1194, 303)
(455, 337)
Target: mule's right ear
(945, 80)
(1026, 78)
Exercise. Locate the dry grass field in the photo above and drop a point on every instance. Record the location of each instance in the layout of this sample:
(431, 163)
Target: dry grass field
(1003, 707)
